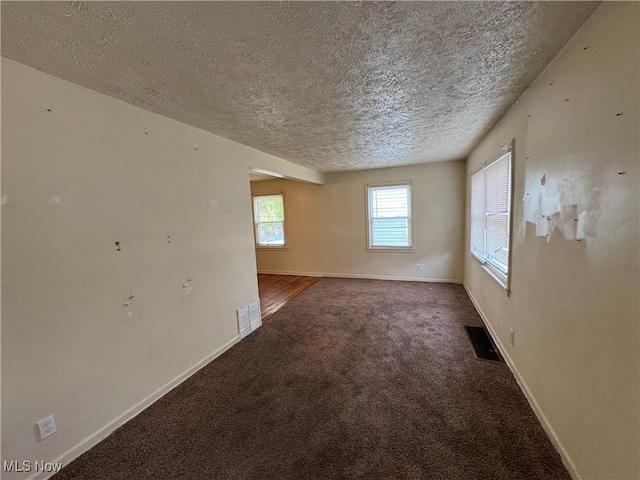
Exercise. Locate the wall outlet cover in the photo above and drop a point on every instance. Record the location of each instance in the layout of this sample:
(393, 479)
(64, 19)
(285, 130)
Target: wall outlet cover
(47, 427)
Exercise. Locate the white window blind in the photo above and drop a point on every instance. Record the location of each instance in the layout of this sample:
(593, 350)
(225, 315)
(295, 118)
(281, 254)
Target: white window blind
(490, 211)
(389, 216)
(268, 212)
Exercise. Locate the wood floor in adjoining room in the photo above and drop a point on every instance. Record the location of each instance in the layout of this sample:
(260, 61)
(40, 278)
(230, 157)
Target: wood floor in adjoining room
(276, 290)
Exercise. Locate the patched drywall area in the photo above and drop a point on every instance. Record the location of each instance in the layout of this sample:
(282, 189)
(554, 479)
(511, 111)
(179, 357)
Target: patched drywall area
(557, 202)
(127, 247)
(326, 228)
(331, 86)
(574, 306)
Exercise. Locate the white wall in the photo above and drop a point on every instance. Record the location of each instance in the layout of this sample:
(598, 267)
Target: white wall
(574, 306)
(326, 225)
(82, 171)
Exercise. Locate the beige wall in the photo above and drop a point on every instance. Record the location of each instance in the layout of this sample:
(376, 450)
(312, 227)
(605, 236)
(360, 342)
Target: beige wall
(326, 225)
(78, 178)
(574, 306)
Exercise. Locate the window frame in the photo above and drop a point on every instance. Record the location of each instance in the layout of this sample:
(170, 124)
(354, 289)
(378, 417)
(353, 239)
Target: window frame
(369, 187)
(254, 203)
(503, 279)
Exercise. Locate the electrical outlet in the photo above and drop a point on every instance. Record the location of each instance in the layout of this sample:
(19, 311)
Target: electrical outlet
(512, 336)
(419, 267)
(293, 263)
(47, 427)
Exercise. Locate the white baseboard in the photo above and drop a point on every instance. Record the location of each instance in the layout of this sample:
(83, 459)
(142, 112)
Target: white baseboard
(548, 428)
(300, 274)
(363, 276)
(95, 438)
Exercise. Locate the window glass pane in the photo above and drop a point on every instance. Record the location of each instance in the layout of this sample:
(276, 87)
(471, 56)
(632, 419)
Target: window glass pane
(392, 232)
(498, 186)
(390, 201)
(497, 252)
(270, 208)
(271, 233)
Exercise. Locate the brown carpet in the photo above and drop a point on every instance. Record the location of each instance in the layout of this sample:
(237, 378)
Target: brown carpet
(351, 379)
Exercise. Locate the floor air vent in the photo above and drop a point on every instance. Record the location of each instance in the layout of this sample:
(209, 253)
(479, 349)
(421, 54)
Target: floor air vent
(482, 344)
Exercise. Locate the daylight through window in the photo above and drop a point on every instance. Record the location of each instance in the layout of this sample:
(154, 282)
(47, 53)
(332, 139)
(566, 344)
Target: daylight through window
(268, 212)
(490, 215)
(389, 215)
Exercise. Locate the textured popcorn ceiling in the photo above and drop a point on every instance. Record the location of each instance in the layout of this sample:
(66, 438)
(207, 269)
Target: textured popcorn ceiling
(331, 86)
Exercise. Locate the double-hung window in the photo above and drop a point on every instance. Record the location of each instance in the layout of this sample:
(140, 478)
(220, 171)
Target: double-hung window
(268, 214)
(389, 216)
(490, 216)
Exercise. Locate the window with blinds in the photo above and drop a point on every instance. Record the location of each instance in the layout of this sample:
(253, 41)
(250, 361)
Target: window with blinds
(490, 213)
(389, 215)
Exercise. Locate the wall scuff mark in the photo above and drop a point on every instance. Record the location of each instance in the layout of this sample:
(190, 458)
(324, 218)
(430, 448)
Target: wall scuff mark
(186, 289)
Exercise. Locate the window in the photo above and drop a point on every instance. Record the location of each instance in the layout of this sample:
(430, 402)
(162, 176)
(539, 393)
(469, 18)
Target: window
(389, 216)
(490, 216)
(268, 214)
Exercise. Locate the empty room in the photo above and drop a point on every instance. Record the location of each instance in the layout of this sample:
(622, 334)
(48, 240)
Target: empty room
(324, 240)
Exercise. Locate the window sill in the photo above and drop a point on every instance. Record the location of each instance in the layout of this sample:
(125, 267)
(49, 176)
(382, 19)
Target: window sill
(391, 250)
(493, 274)
(271, 248)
